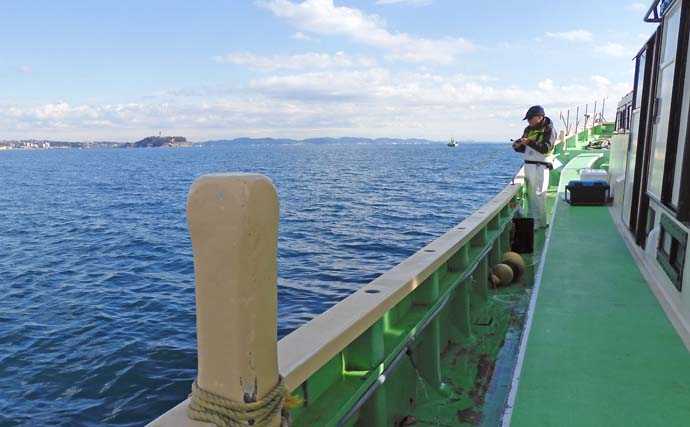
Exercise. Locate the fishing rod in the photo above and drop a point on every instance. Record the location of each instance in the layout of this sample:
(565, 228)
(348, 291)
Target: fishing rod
(476, 165)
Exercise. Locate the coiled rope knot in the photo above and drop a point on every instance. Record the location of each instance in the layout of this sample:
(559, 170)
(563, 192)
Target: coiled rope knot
(210, 407)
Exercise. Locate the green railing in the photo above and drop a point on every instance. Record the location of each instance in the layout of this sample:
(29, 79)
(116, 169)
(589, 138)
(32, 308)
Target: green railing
(441, 309)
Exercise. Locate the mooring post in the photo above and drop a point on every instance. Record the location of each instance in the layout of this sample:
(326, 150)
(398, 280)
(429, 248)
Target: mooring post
(233, 223)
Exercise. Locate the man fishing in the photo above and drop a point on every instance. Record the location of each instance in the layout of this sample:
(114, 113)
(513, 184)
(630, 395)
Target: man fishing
(537, 143)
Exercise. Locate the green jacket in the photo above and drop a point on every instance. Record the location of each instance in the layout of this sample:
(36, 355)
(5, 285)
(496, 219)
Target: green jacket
(542, 137)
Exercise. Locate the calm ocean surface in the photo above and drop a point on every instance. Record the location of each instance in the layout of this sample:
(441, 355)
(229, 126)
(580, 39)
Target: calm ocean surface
(97, 323)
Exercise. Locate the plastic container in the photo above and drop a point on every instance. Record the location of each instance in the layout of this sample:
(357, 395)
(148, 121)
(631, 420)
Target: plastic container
(594, 175)
(587, 193)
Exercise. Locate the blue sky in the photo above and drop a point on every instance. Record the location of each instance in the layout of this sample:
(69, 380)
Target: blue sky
(122, 70)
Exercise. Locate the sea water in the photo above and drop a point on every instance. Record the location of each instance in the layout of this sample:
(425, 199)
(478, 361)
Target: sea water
(97, 323)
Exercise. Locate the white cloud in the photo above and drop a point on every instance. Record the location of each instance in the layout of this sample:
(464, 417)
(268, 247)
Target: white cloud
(301, 36)
(616, 49)
(412, 2)
(324, 18)
(327, 85)
(369, 103)
(299, 61)
(546, 84)
(24, 69)
(423, 95)
(637, 7)
(601, 80)
(573, 36)
(608, 48)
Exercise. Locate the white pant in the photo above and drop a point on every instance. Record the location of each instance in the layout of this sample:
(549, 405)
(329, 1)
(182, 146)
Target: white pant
(537, 177)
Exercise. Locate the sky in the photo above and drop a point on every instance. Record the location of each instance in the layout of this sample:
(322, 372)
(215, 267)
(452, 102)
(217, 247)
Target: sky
(435, 69)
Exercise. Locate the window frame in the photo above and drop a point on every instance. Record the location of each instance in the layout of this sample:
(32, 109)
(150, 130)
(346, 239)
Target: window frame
(683, 209)
(640, 96)
(641, 196)
(676, 108)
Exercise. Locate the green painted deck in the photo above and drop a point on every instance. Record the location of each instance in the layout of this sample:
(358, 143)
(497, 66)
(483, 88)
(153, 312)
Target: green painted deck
(600, 350)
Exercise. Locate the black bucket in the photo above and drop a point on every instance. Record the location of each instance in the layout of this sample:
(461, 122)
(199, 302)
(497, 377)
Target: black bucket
(523, 238)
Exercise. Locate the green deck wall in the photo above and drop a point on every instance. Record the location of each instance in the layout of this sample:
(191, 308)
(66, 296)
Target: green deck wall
(448, 353)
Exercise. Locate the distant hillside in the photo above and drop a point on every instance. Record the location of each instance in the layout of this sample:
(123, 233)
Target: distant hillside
(158, 141)
(343, 140)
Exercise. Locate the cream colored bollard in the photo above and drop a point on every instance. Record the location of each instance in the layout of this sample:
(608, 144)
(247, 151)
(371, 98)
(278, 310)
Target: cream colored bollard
(233, 223)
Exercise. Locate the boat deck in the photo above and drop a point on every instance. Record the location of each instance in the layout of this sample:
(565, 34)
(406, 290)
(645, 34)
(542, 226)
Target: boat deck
(600, 350)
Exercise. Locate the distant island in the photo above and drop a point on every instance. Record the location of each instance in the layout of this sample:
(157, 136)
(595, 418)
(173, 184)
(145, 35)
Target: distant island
(159, 141)
(181, 141)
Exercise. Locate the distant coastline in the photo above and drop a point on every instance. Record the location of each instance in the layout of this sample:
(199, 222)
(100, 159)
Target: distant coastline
(148, 142)
(180, 141)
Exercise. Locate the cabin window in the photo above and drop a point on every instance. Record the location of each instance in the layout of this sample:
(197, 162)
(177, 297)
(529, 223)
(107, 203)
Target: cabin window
(662, 105)
(662, 110)
(634, 134)
(682, 135)
(630, 167)
(671, 28)
(623, 114)
(639, 84)
(671, 251)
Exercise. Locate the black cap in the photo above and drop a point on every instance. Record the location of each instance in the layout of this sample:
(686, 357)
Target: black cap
(536, 110)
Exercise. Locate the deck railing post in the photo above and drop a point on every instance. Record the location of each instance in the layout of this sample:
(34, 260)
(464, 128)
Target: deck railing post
(495, 253)
(429, 353)
(480, 278)
(460, 261)
(505, 239)
(462, 309)
(233, 223)
(366, 354)
(481, 274)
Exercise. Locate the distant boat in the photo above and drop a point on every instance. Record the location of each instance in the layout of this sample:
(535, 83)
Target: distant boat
(453, 143)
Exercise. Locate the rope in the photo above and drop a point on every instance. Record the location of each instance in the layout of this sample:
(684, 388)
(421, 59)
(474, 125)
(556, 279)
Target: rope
(210, 407)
